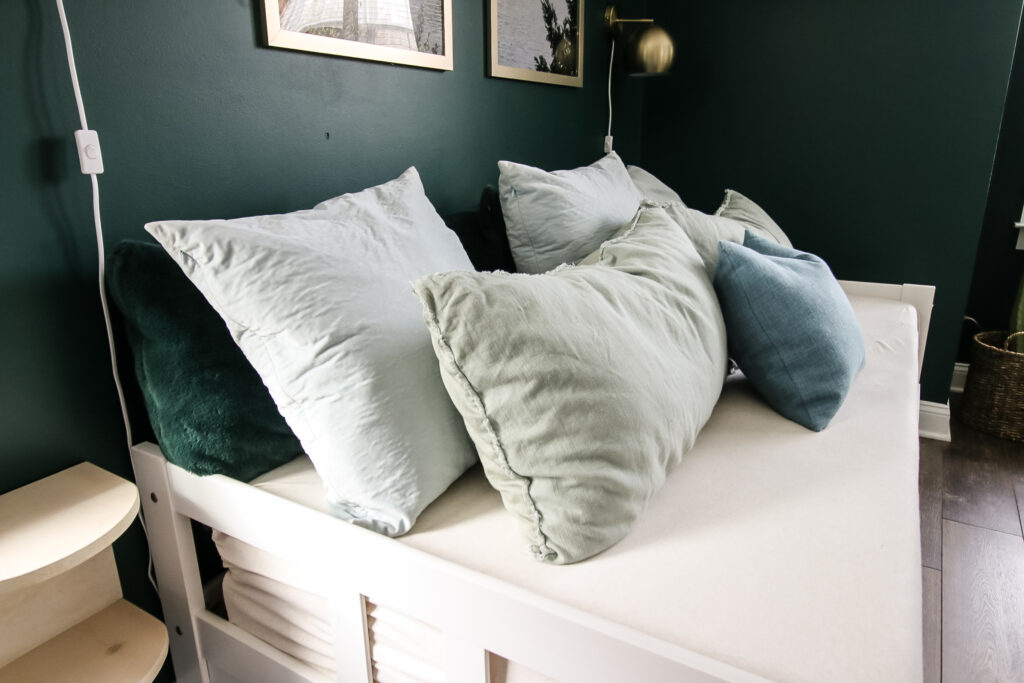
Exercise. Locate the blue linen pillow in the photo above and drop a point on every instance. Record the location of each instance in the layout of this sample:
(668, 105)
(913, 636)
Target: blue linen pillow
(790, 328)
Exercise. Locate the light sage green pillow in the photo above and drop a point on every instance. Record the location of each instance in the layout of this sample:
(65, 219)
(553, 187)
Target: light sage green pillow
(706, 231)
(583, 387)
(756, 219)
(729, 223)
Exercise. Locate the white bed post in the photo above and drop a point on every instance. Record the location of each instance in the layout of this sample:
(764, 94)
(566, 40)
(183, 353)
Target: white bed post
(174, 558)
(921, 297)
(933, 418)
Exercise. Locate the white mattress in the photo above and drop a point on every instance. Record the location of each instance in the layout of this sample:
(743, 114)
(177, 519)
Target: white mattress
(787, 553)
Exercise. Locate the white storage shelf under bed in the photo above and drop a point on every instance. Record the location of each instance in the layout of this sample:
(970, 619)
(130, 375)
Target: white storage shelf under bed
(771, 553)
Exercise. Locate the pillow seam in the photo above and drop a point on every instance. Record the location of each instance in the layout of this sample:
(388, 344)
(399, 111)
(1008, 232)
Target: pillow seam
(442, 342)
(634, 221)
(726, 200)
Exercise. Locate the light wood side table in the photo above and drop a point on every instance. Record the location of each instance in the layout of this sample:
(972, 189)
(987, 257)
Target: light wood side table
(62, 615)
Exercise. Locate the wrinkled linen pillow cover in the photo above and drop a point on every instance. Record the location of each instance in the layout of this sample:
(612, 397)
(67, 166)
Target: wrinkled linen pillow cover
(561, 216)
(319, 302)
(651, 188)
(583, 387)
(791, 328)
(736, 215)
(753, 217)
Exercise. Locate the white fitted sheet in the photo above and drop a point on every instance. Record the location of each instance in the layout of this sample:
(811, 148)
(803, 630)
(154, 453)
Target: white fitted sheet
(791, 554)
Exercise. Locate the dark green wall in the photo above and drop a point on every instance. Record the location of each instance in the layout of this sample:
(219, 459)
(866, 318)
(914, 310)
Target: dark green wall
(867, 128)
(999, 265)
(197, 120)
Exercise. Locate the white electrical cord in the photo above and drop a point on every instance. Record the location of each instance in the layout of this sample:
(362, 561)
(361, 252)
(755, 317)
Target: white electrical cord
(101, 262)
(608, 137)
(98, 223)
(71, 63)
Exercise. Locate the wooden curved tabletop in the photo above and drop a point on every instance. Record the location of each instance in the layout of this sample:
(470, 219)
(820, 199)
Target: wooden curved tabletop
(54, 524)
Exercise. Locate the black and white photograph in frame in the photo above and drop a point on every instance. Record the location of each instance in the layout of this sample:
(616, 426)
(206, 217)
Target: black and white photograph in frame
(537, 40)
(412, 32)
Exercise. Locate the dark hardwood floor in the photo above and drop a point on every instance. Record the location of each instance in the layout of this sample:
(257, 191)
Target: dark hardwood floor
(972, 556)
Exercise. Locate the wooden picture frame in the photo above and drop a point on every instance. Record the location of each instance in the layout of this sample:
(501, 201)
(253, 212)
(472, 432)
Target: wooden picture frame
(521, 45)
(410, 32)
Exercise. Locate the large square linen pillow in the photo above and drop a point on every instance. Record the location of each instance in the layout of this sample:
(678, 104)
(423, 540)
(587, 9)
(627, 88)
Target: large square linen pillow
(562, 216)
(652, 188)
(208, 408)
(791, 328)
(582, 388)
(319, 302)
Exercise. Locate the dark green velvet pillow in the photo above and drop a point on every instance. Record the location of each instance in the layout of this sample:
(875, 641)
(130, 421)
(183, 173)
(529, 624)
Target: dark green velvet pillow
(210, 412)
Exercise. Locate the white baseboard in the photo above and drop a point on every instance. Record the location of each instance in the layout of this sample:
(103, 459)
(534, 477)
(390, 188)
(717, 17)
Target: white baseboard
(959, 377)
(934, 421)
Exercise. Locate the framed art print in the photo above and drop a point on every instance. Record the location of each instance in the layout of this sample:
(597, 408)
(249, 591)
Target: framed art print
(412, 32)
(537, 40)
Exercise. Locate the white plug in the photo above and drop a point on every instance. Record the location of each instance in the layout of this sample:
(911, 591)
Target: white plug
(607, 144)
(89, 155)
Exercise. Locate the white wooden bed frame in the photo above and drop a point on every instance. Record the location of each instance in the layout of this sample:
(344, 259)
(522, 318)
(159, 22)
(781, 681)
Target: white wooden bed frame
(560, 642)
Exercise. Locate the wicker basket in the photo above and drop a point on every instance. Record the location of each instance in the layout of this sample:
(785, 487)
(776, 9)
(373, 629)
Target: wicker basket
(994, 395)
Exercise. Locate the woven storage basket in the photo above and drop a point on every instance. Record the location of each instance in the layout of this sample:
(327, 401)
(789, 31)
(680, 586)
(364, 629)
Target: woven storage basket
(994, 395)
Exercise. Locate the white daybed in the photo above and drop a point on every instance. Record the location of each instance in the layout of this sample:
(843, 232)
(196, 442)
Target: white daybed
(771, 553)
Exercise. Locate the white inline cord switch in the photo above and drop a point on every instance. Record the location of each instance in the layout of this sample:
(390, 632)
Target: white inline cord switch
(607, 144)
(89, 155)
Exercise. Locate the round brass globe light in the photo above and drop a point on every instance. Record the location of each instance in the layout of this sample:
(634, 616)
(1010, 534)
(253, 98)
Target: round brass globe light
(648, 51)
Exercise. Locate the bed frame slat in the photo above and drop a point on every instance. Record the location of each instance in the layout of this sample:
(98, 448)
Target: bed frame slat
(465, 661)
(351, 638)
(233, 654)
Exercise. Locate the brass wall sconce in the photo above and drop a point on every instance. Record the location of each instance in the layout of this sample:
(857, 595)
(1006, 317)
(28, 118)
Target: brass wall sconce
(648, 51)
